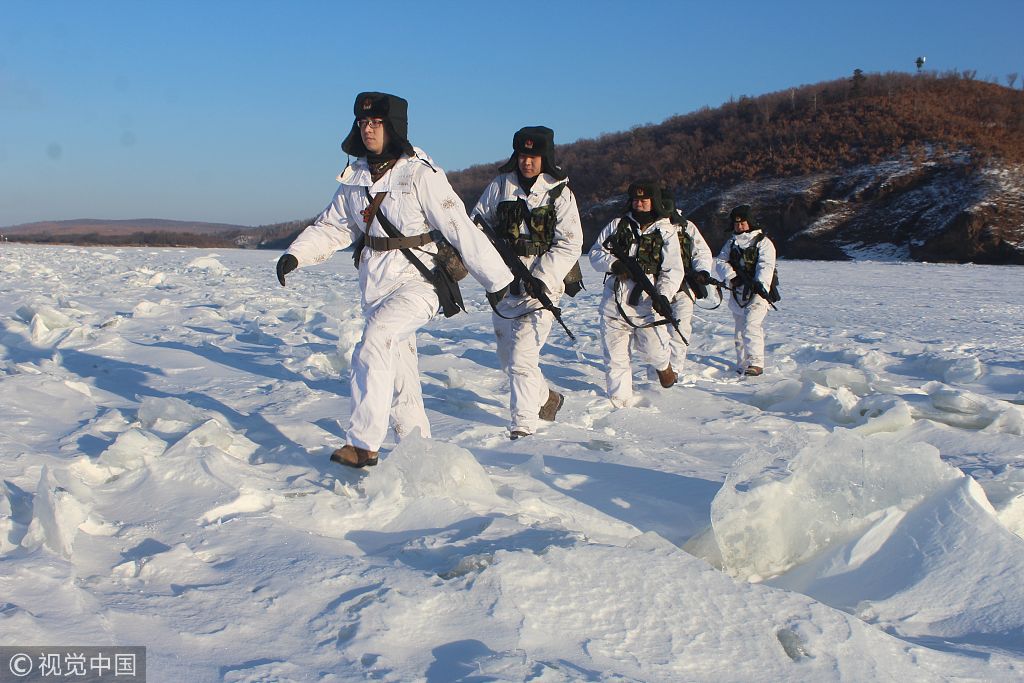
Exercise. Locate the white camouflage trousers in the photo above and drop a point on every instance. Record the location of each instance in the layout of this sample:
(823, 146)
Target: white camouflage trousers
(682, 308)
(519, 343)
(749, 336)
(651, 343)
(385, 371)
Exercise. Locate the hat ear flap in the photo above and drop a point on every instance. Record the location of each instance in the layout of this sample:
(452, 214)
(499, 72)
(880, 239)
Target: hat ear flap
(353, 143)
(510, 165)
(665, 205)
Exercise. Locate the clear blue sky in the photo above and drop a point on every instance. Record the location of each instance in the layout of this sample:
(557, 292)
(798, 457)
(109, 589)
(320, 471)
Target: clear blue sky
(233, 112)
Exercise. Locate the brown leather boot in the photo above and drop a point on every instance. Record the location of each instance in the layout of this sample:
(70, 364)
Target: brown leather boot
(551, 406)
(353, 456)
(754, 371)
(667, 377)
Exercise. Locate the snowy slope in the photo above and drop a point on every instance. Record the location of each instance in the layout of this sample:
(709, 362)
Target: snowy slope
(855, 514)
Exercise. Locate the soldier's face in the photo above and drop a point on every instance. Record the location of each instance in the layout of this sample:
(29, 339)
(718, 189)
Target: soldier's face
(375, 138)
(642, 205)
(530, 166)
(740, 225)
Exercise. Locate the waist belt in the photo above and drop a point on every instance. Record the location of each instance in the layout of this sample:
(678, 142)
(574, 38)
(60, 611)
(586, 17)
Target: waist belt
(392, 243)
(528, 249)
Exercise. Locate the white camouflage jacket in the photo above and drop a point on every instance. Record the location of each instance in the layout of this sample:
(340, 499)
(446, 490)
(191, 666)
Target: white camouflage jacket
(419, 199)
(566, 246)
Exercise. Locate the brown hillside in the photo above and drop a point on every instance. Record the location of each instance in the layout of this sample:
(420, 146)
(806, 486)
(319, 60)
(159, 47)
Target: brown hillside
(950, 128)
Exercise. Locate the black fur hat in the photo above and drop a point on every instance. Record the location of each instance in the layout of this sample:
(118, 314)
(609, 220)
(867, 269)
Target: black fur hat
(662, 202)
(395, 112)
(668, 207)
(744, 212)
(534, 141)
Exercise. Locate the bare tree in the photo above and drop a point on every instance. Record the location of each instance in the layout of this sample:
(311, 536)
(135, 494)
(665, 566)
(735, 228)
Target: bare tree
(1011, 78)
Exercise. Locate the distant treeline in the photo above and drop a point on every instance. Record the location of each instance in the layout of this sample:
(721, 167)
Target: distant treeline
(279, 235)
(137, 239)
(275, 236)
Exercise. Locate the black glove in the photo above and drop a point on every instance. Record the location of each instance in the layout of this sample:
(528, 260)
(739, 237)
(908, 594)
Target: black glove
(761, 291)
(620, 270)
(494, 297)
(533, 286)
(285, 265)
(698, 283)
(661, 305)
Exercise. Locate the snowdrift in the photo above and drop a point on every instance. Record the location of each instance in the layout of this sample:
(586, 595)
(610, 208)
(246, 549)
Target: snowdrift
(855, 514)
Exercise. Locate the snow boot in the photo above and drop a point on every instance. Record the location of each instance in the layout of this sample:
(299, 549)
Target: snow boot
(517, 434)
(551, 406)
(353, 456)
(754, 371)
(667, 377)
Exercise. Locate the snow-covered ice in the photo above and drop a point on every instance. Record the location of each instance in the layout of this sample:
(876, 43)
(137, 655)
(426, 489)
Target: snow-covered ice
(857, 513)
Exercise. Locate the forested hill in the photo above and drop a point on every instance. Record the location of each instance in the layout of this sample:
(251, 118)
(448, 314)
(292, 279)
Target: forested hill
(924, 167)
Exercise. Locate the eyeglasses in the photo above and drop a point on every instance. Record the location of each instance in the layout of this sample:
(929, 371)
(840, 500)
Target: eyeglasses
(369, 123)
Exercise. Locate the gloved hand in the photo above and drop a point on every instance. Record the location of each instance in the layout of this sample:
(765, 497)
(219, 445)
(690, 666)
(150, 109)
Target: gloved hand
(285, 265)
(533, 286)
(698, 283)
(759, 288)
(661, 305)
(620, 270)
(494, 297)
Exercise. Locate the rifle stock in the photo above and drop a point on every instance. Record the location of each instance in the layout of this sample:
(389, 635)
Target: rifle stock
(520, 271)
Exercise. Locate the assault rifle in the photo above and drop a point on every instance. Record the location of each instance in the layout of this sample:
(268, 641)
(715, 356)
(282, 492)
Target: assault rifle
(750, 283)
(719, 283)
(520, 272)
(637, 275)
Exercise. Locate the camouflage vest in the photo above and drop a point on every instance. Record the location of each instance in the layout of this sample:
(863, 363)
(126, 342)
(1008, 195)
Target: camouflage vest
(649, 245)
(745, 259)
(513, 215)
(686, 247)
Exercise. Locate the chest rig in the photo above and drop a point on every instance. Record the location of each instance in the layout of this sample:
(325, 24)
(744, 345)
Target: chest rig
(530, 232)
(745, 259)
(649, 245)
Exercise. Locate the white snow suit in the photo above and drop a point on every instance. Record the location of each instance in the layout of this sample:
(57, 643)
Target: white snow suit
(699, 259)
(748, 309)
(616, 332)
(525, 328)
(397, 300)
